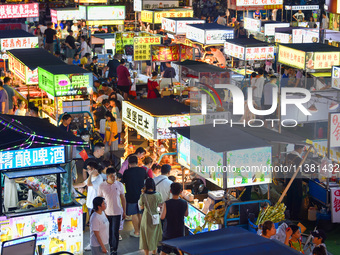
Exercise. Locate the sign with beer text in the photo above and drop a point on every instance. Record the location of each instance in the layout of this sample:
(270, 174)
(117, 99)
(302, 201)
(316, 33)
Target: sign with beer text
(15, 11)
(321, 60)
(178, 26)
(254, 53)
(141, 47)
(162, 53)
(292, 57)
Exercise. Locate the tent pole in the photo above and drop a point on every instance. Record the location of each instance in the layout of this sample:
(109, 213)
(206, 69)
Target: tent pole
(279, 96)
(328, 155)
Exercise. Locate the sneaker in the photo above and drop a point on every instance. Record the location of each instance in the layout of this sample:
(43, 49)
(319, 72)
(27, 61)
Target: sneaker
(88, 247)
(132, 233)
(120, 238)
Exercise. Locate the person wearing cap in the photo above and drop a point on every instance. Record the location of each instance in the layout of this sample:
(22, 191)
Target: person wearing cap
(75, 29)
(70, 47)
(319, 237)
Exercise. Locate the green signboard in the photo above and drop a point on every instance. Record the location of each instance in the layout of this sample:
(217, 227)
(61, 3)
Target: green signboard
(65, 84)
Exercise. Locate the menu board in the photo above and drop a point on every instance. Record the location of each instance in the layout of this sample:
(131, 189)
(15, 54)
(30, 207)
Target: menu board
(141, 47)
(254, 53)
(252, 24)
(178, 26)
(171, 14)
(249, 167)
(311, 36)
(123, 39)
(283, 38)
(187, 52)
(165, 53)
(298, 35)
(292, 57)
(336, 77)
(110, 44)
(56, 231)
(105, 12)
(321, 60)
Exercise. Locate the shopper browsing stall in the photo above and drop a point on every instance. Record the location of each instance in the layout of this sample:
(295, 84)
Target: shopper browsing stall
(70, 47)
(65, 122)
(124, 80)
(163, 183)
(21, 111)
(111, 134)
(268, 229)
(319, 237)
(293, 236)
(140, 153)
(12, 100)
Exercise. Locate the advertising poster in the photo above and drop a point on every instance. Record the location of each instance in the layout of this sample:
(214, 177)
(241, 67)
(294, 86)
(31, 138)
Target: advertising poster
(187, 52)
(334, 21)
(105, 12)
(321, 60)
(195, 218)
(18, 68)
(142, 49)
(122, 40)
(183, 151)
(248, 167)
(336, 77)
(291, 57)
(165, 53)
(252, 24)
(56, 231)
(283, 38)
(335, 130)
(147, 16)
(15, 11)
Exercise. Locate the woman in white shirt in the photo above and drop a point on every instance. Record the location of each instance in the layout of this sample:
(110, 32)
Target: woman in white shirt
(85, 48)
(21, 111)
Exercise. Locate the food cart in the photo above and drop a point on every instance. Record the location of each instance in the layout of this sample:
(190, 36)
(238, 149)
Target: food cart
(67, 88)
(37, 195)
(296, 35)
(16, 39)
(23, 63)
(263, 30)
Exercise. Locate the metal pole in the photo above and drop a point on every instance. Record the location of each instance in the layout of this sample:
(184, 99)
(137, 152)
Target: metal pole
(279, 95)
(328, 154)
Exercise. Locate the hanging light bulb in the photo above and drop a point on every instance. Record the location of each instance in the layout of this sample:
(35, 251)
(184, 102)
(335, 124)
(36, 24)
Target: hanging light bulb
(333, 105)
(312, 108)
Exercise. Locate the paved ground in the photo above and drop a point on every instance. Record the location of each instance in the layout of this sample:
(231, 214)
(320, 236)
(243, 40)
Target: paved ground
(128, 246)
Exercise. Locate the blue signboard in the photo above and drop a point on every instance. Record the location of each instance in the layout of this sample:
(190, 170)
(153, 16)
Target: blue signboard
(32, 157)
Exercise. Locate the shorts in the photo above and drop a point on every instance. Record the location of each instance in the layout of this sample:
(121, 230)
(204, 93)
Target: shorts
(70, 52)
(148, 63)
(167, 249)
(125, 89)
(97, 250)
(132, 209)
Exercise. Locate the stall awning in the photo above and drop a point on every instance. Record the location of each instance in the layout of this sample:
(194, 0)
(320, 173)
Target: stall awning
(64, 69)
(14, 33)
(211, 26)
(43, 132)
(32, 58)
(221, 138)
(231, 241)
(311, 47)
(163, 107)
(201, 67)
(13, 174)
(248, 42)
(104, 36)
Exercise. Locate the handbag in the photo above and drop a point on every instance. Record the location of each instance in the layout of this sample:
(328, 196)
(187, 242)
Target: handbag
(155, 217)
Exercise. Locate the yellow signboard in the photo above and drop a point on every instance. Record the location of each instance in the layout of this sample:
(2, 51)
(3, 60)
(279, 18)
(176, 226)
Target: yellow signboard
(147, 16)
(292, 57)
(142, 47)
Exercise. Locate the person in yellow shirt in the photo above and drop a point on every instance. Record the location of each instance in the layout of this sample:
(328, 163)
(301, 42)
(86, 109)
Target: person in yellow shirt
(111, 135)
(85, 60)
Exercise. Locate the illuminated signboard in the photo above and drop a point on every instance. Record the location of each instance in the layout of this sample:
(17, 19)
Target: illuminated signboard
(65, 84)
(252, 24)
(321, 60)
(15, 11)
(297, 35)
(25, 74)
(336, 77)
(105, 12)
(311, 36)
(70, 14)
(32, 157)
(249, 159)
(110, 44)
(155, 17)
(208, 36)
(104, 22)
(269, 29)
(291, 57)
(283, 38)
(302, 7)
(178, 26)
(141, 47)
(17, 43)
(258, 2)
(165, 53)
(253, 53)
(139, 5)
(195, 219)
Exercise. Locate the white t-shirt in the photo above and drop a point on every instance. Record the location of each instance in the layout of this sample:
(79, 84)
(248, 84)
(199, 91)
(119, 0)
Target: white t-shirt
(19, 112)
(163, 187)
(99, 222)
(259, 87)
(93, 190)
(268, 93)
(86, 48)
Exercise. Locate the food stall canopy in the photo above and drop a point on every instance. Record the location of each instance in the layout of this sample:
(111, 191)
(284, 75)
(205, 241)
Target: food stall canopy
(249, 49)
(296, 35)
(200, 67)
(310, 57)
(231, 241)
(41, 130)
(265, 27)
(32, 58)
(139, 5)
(36, 172)
(221, 138)
(16, 39)
(178, 25)
(209, 33)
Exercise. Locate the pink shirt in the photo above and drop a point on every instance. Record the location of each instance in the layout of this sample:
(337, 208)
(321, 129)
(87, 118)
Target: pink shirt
(124, 166)
(111, 193)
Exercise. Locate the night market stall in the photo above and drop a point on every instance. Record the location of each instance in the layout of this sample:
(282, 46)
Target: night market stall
(155, 16)
(16, 39)
(23, 63)
(296, 35)
(37, 195)
(67, 88)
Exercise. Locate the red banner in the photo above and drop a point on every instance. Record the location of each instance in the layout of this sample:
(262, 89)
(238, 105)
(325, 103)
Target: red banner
(14, 11)
(187, 52)
(165, 53)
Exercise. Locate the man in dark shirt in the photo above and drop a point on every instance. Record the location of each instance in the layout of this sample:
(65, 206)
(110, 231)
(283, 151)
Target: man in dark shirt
(112, 66)
(65, 122)
(50, 36)
(174, 211)
(70, 47)
(169, 71)
(134, 178)
(100, 112)
(94, 67)
(100, 30)
(12, 100)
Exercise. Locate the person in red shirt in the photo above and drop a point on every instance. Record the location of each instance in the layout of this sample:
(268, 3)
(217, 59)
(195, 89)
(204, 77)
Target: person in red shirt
(147, 166)
(124, 80)
(153, 86)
